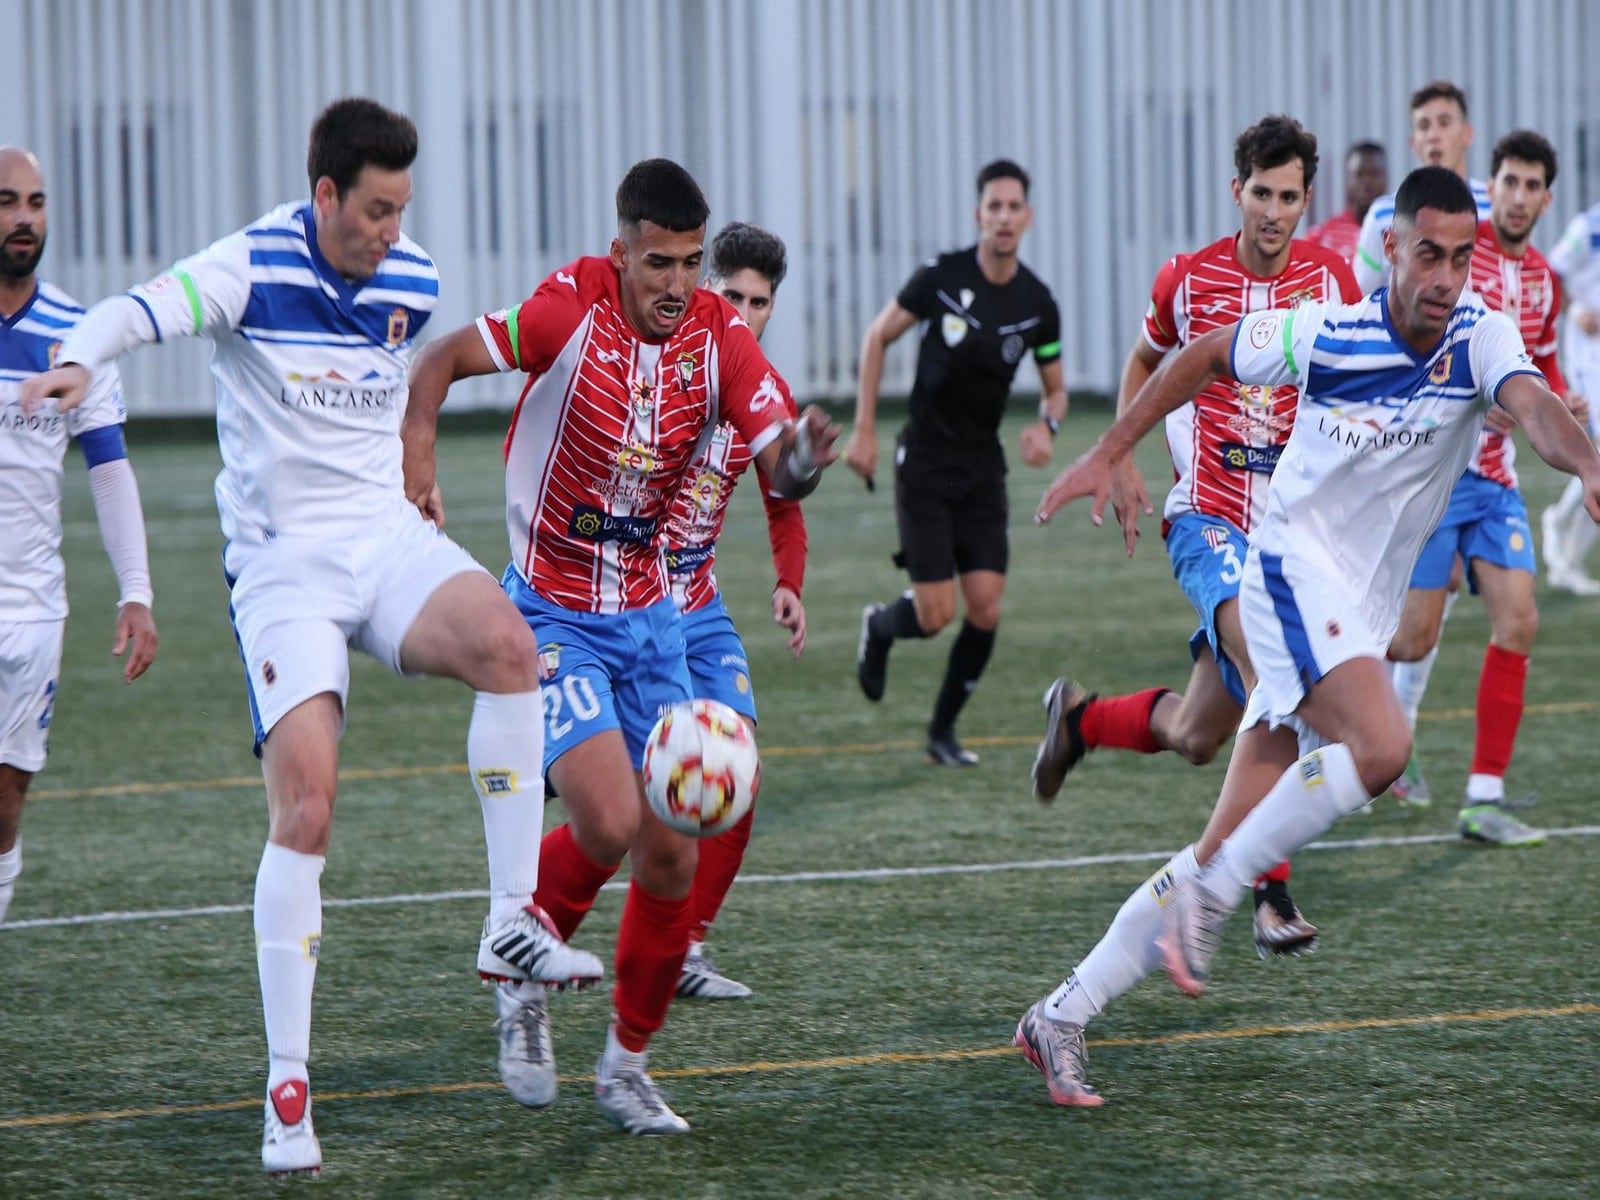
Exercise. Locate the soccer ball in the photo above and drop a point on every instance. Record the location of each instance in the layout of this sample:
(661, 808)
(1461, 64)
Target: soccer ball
(700, 768)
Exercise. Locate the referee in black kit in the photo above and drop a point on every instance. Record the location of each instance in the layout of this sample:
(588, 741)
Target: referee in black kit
(982, 311)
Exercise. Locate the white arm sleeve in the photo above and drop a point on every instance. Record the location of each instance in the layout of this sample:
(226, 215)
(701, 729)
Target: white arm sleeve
(116, 503)
(1369, 264)
(203, 293)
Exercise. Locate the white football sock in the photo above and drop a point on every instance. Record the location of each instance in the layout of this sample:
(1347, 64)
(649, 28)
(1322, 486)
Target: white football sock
(288, 920)
(1309, 797)
(1411, 679)
(1485, 789)
(1127, 952)
(10, 868)
(615, 1056)
(505, 754)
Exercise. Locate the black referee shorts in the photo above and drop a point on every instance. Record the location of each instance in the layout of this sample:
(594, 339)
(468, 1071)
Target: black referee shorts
(951, 522)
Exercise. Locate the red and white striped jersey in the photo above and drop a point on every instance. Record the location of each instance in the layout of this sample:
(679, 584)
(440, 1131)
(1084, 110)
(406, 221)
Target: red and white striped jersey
(695, 522)
(1226, 441)
(606, 428)
(1528, 291)
(1339, 233)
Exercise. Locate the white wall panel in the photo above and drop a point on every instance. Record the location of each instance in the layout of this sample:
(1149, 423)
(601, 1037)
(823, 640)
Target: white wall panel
(852, 127)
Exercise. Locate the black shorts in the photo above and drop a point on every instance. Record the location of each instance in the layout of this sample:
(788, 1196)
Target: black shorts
(951, 522)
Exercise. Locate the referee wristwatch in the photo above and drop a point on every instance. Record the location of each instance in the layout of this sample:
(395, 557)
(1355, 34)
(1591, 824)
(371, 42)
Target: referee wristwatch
(1050, 423)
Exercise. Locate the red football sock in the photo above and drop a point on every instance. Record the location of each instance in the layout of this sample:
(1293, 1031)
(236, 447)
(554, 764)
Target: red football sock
(651, 945)
(1500, 691)
(1122, 722)
(720, 859)
(1278, 874)
(569, 880)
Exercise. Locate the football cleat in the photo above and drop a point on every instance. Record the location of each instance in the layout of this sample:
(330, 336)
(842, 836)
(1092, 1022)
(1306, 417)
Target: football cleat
(1412, 787)
(1062, 747)
(527, 1053)
(700, 980)
(1570, 577)
(289, 1146)
(1281, 929)
(630, 1099)
(1492, 824)
(872, 656)
(528, 947)
(1191, 933)
(1057, 1049)
(947, 752)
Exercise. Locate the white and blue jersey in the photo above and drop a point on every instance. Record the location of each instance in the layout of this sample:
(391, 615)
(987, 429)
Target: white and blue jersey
(1380, 439)
(310, 372)
(32, 451)
(1369, 263)
(1576, 258)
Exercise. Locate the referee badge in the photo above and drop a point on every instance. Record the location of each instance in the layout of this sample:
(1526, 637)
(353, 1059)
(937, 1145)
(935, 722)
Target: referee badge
(954, 328)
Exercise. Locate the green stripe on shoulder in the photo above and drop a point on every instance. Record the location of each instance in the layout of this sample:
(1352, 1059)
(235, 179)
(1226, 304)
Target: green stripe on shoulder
(1047, 351)
(196, 309)
(1288, 343)
(512, 333)
(1368, 259)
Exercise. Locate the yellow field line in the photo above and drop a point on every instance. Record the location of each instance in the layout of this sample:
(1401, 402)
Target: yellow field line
(163, 787)
(837, 1062)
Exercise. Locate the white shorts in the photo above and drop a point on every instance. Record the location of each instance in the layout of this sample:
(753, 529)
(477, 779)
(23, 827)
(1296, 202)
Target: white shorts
(1300, 622)
(298, 603)
(30, 665)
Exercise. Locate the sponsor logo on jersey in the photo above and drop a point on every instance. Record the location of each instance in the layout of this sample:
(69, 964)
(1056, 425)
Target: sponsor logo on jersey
(636, 458)
(563, 277)
(707, 491)
(593, 525)
(644, 396)
(46, 420)
(766, 392)
(610, 357)
(399, 326)
(683, 559)
(1011, 349)
(1363, 434)
(952, 328)
(1237, 456)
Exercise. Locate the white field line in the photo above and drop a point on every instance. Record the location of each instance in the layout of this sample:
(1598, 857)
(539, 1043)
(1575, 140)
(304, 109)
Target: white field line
(860, 876)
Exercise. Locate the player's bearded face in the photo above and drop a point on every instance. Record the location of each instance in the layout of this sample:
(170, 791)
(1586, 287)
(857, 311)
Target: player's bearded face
(656, 270)
(21, 250)
(355, 231)
(22, 215)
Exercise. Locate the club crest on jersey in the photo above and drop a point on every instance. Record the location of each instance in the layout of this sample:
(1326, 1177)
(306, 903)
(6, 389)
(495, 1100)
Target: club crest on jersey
(1441, 369)
(644, 396)
(399, 326)
(549, 660)
(1298, 297)
(1216, 536)
(636, 458)
(953, 328)
(685, 368)
(269, 673)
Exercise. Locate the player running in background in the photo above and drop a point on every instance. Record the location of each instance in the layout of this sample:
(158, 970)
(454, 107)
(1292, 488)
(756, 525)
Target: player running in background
(747, 265)
(1486, 524)
(1393, 390)
(1224, 446)
(628, 362)
(1440, 137)
(982, 309)
(1567, 532)
(34, 316)
(312, 310)
(1366, 177)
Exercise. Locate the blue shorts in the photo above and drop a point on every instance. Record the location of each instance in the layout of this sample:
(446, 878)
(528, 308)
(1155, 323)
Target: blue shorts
(1208, 561)
(603, 670)
(1484, 520)
(717, 665)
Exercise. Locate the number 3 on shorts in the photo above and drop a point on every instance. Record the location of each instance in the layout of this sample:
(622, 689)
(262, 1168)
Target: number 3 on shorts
(1232, 568)
(579, 697)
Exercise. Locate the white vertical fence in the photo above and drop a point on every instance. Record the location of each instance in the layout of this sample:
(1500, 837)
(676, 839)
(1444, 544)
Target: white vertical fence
(853, 128)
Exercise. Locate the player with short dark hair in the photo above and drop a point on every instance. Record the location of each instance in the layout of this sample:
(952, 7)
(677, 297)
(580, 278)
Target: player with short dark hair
(627, 362)
(1393, 391)
(982, 310)
(1486, 525)
(1366, 177)
(312, 311)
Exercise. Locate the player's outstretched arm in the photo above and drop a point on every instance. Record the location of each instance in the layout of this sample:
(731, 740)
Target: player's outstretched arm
(861, 450)
(1554, 433)
(1177, 381)
(458, 355)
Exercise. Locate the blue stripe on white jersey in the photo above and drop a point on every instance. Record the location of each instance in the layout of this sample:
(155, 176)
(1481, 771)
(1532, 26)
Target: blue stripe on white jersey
(1358, 357)
(27, 337)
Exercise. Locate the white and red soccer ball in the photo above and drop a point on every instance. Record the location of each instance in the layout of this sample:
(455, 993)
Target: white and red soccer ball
(701, 767)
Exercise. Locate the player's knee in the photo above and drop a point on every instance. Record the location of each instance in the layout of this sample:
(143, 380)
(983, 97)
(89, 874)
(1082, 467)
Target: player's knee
(934, 614)
(1412, 645)
(1195, 746)
(603, 831)
(303, 819)
(1381, 758)
(1516, 630)
(665, 866)
(509, 657)
(985, 615)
